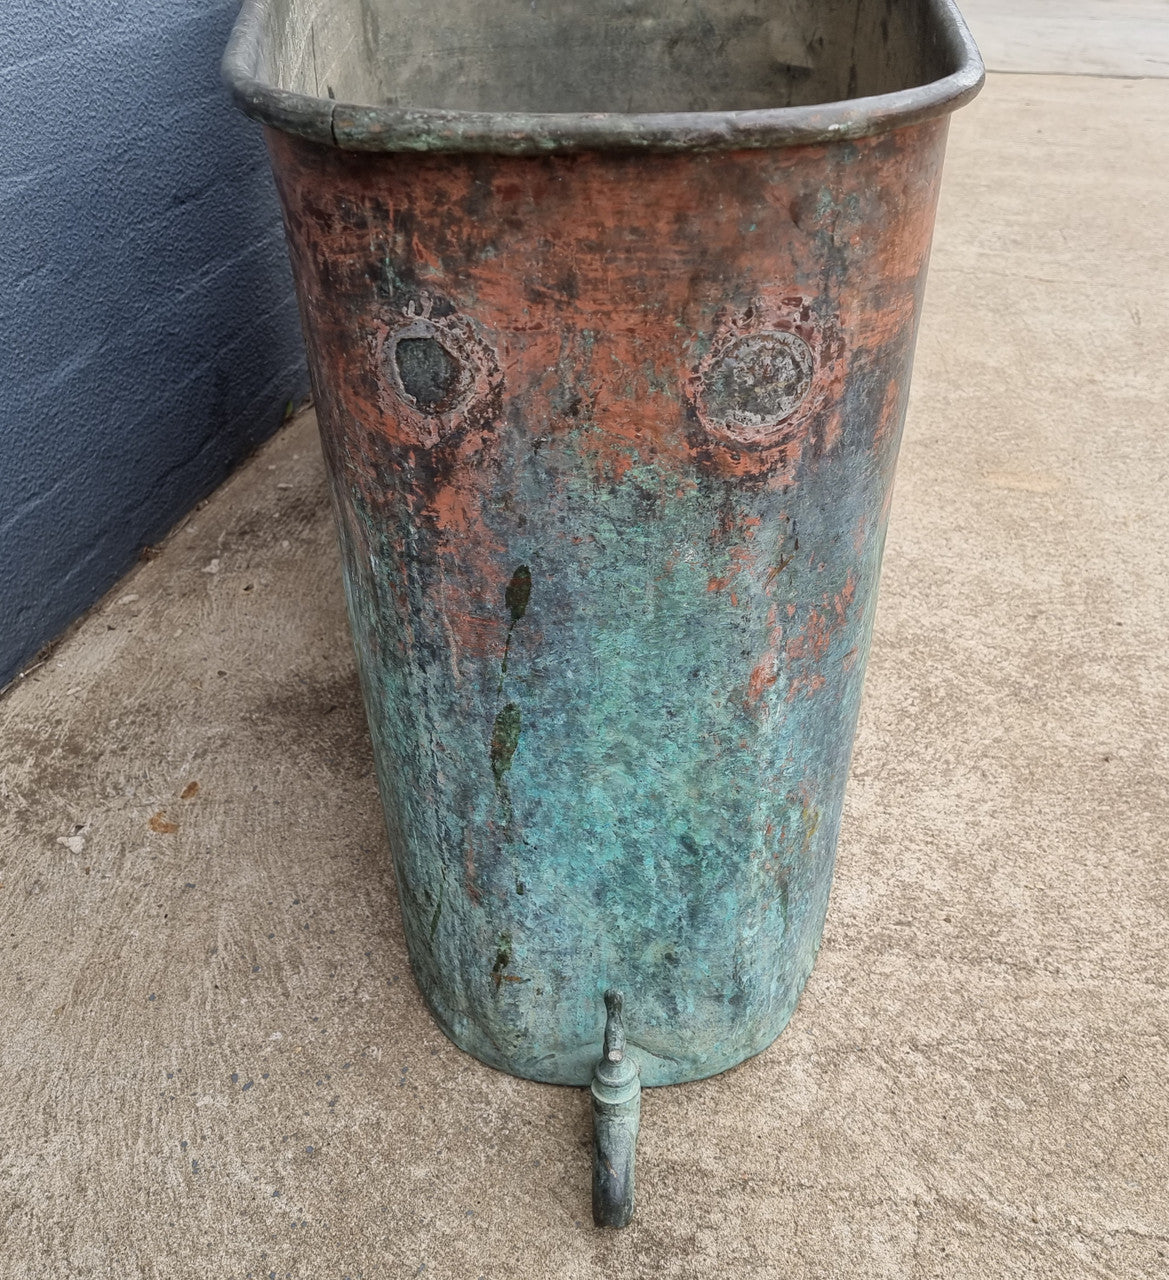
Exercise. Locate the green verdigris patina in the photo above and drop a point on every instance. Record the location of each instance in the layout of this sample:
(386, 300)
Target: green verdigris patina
(641, 787)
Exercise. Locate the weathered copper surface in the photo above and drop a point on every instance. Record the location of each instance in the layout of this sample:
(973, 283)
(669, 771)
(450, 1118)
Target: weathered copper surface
(612, 440)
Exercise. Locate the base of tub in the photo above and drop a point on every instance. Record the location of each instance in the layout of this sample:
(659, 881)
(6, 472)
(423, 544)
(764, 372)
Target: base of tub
(575, 1066)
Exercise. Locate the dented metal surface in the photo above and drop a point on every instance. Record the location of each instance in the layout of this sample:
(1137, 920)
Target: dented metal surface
(612, 442)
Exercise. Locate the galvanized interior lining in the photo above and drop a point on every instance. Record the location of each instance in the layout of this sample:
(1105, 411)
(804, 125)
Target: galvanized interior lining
(632, 56)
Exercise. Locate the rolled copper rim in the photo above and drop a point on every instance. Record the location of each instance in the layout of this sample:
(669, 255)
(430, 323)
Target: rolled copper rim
(354, 127)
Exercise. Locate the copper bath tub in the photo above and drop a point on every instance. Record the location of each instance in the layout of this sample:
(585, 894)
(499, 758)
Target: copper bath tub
(610, 312)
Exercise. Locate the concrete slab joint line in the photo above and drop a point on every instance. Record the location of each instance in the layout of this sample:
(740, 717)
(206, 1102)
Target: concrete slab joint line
(1127, 38)
(216, 1062)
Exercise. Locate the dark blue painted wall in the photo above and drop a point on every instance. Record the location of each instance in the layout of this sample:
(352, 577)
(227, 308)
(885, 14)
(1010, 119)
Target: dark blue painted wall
(148, 333)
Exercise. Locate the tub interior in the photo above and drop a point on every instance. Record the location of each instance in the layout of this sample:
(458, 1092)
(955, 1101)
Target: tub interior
(601, 55)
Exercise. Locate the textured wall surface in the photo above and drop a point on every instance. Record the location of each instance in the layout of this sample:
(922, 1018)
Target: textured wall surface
(150, 333)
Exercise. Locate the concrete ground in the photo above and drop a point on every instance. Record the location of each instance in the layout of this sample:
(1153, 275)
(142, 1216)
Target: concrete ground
(1089, 37)
(216, 1063)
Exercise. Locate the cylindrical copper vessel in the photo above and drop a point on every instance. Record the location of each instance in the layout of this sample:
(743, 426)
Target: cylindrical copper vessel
(610, 323)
